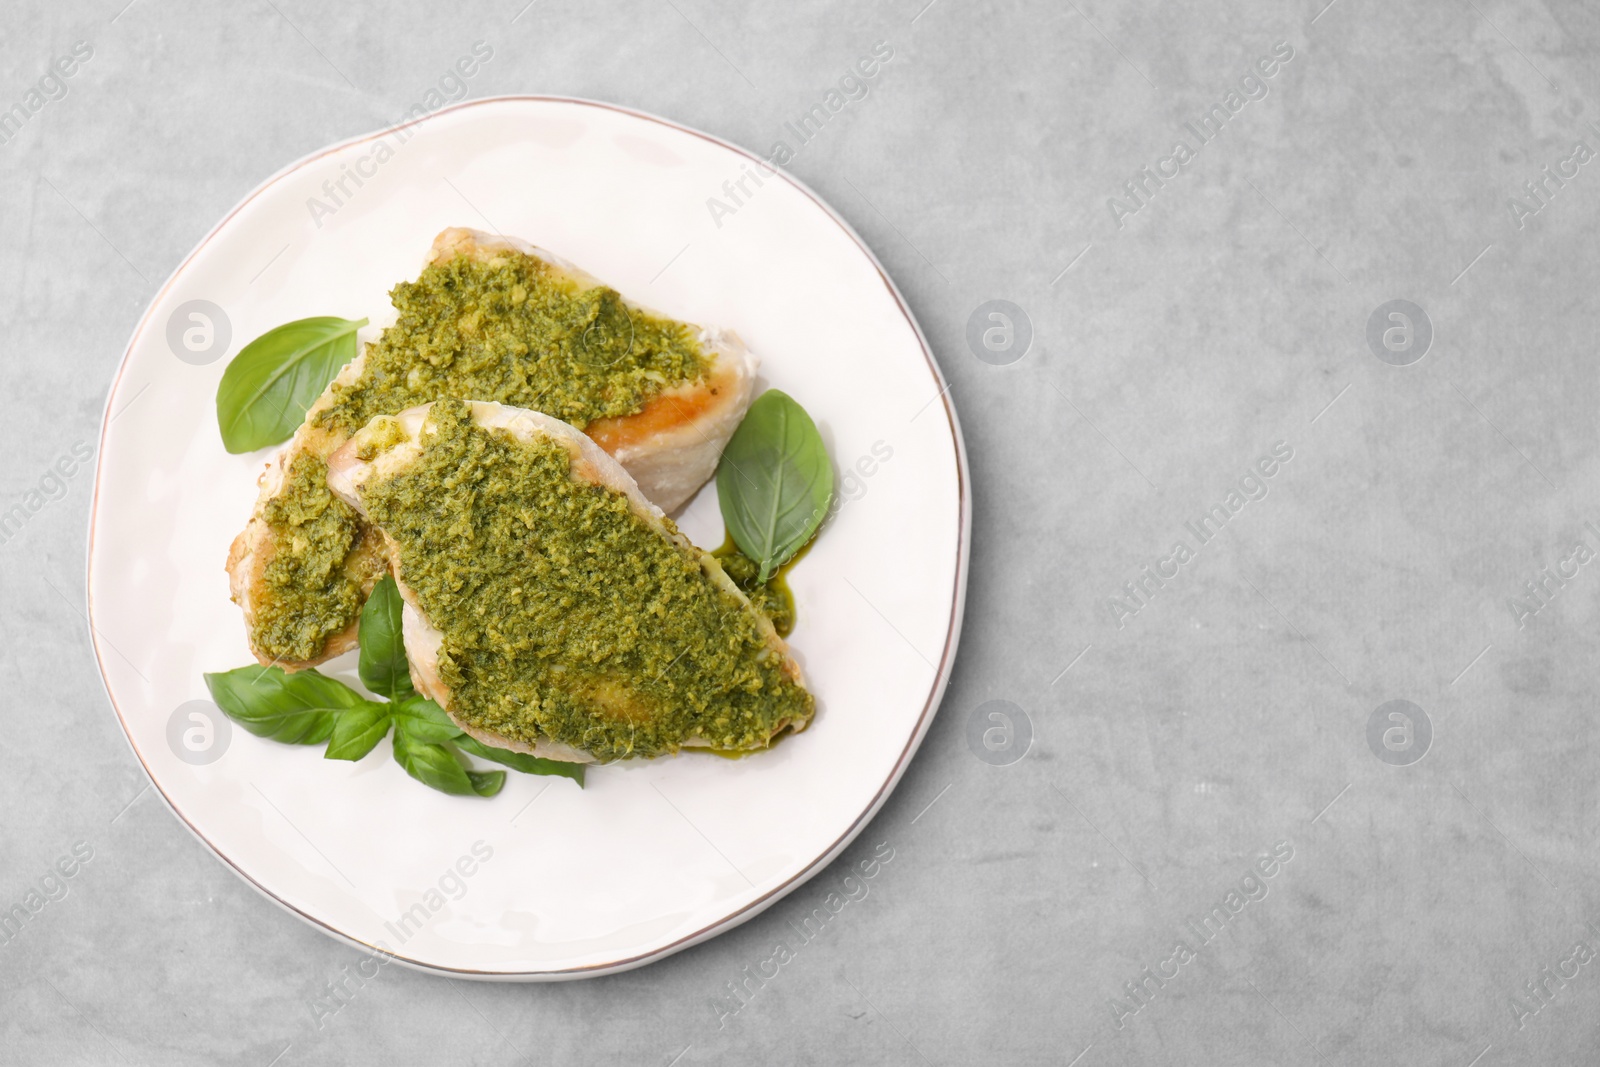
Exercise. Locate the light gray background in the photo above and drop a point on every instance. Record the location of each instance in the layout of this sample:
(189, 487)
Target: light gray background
(1228, 715)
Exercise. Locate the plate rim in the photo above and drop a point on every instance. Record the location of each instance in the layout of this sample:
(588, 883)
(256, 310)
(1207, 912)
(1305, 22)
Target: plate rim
(924, 720)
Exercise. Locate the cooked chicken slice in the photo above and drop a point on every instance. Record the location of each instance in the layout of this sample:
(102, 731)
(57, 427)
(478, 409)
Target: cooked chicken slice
(304, 563)
(670, 447)
(291, 511)
(550, 607)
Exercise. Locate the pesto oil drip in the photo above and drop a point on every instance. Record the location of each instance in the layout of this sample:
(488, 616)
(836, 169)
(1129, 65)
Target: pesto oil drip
(567, 616)
(773, 599)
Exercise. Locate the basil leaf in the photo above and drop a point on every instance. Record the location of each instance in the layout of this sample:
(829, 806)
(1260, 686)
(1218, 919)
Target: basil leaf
(425, 720)
(432, 764)
(299, 708)
(774, 482)
(383, 650)
(358, 732)
(487, 783)
(520, 761)
(266, 390)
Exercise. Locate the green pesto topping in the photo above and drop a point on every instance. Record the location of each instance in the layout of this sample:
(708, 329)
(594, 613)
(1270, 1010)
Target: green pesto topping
(567, 616)
(511, 329)
(309, 594)
(378, 436)
(772, 598)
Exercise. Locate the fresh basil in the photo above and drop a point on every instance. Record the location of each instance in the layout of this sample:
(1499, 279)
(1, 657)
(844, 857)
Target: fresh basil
(520, 761)
(299, 709)
(307, 708)
(358, 732)
(486, 783)
(432, 764)
(774, 482)
(383, 651)
(426, 721)
(267, 388)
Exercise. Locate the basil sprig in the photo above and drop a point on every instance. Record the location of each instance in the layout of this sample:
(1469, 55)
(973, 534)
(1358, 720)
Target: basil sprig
(264, 393)
(420, 724)
(358, 732)
(435, 764)
(298, 709)
(307, 708)
(383, 667)
(775, 482)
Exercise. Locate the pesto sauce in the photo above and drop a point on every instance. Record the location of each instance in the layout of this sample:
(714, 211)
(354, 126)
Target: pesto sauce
(773, 599)
(567, 616)
(508, 329)
(314, 533)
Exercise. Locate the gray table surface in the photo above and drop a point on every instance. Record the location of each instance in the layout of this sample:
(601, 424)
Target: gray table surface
(1431, 911)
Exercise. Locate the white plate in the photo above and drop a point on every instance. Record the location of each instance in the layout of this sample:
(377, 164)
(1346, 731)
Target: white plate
(653, 856)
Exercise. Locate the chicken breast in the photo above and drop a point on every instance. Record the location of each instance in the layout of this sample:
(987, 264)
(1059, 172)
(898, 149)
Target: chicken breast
(550, 607)
(667, 397)
(670, 447)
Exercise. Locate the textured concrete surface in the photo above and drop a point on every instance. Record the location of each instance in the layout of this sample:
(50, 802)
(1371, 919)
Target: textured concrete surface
(1417, 911)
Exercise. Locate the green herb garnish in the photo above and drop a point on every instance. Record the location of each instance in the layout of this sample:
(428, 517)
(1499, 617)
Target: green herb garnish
(297, 709)
(383, 666)
(307, 708)
(433, 764)
(774, 482)
(266, 390)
